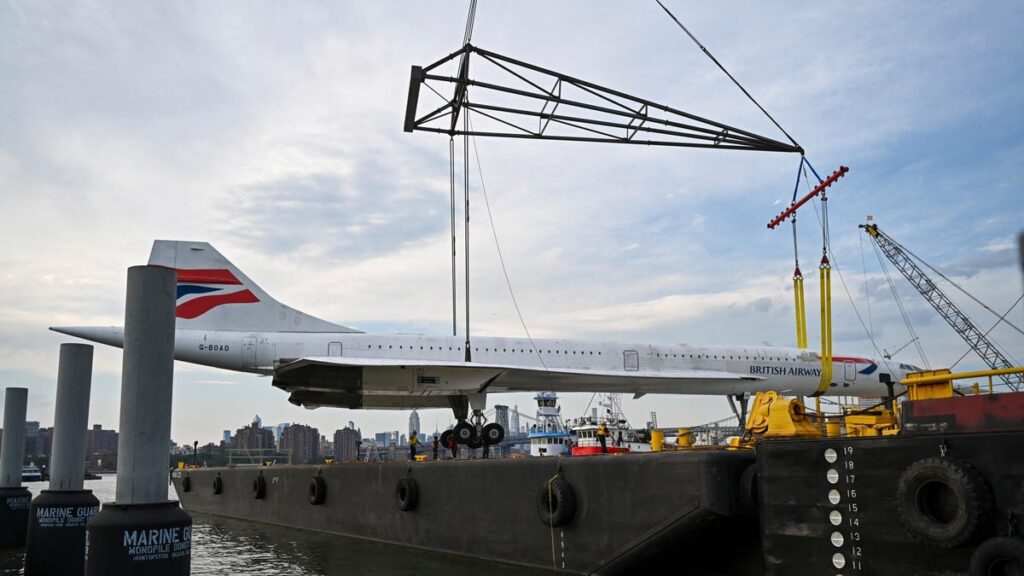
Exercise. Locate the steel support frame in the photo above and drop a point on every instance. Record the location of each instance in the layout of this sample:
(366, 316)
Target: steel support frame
(614, 116)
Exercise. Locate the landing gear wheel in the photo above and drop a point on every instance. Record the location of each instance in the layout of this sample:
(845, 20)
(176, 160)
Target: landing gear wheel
(475, 442)
(464, 432)
(446, 438)
(493, 433)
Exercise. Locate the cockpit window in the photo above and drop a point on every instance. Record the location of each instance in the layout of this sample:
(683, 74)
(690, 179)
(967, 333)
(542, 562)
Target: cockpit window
(910, 368)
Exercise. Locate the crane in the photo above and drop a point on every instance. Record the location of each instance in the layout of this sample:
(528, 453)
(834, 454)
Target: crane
(960, 322)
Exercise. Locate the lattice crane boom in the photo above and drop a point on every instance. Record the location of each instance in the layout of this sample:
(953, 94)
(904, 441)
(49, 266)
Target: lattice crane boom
(949, 311)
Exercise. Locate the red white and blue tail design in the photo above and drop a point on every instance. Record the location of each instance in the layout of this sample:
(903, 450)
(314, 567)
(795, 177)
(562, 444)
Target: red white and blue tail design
(215, 295)
(200, 291)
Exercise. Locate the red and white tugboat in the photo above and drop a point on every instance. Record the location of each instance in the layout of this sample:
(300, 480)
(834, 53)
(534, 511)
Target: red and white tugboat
(621, 437)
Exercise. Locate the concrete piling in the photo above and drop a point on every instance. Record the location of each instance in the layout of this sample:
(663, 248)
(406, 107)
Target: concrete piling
(58, 516)
(142, 532)
(14, 499)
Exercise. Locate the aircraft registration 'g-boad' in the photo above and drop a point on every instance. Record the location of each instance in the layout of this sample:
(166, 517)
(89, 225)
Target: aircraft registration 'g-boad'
(225, 320)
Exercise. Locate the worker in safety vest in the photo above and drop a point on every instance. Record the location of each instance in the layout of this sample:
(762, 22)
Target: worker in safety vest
(602, 437)
(453, 445)
(413, 441)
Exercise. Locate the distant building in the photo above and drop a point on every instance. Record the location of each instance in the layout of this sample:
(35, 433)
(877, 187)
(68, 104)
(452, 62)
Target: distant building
(414, 422)
(32, 438)
(226, 439)
(382, 438)
(346, 442)
(279, 429)
(515, 421)
(501, 417)
(253, 437)
(326, 446)
(303, 441)
(44, 442)
(100, 441)
(258, 421)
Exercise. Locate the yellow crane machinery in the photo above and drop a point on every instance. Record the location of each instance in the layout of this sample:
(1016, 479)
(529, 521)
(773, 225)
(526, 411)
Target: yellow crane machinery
(774, 416)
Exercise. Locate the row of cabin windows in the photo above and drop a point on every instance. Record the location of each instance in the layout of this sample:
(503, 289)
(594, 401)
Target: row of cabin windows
(732, 357)
(505, 350)
(591, 352)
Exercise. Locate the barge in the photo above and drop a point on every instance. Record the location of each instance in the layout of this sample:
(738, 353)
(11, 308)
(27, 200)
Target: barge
(944, 496)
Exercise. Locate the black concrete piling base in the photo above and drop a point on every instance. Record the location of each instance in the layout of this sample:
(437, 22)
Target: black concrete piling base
(14, 504)
(143, 539)
(56, 532)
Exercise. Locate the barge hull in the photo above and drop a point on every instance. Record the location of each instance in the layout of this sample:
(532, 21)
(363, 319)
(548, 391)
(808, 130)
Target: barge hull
(631, 511)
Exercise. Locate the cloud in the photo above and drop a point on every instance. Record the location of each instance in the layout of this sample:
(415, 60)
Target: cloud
(276, 135)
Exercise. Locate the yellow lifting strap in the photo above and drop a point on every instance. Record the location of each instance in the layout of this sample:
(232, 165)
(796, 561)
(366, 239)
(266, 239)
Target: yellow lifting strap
(801, 313)
(825, 278)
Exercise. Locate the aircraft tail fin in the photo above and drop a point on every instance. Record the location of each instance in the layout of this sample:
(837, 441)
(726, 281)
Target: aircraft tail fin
(214, 294)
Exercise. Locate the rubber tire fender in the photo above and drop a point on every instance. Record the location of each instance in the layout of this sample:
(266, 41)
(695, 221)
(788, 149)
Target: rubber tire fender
(218, 484)
(943, 502)
(317, 490)
(748, 489)
(997, 556)
(407, 494)
(259, 488)
(560, 507)
(186, 484)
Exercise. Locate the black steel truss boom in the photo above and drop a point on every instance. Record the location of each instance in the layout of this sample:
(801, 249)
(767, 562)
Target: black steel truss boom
(518, 105)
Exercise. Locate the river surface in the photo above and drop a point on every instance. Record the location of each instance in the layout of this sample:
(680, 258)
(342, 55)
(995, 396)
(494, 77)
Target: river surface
(222, 546)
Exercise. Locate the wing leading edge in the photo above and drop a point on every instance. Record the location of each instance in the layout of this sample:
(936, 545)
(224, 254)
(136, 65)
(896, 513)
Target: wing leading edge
(382, 376)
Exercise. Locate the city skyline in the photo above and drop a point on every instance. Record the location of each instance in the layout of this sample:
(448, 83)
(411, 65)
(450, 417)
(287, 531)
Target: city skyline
(277, 136)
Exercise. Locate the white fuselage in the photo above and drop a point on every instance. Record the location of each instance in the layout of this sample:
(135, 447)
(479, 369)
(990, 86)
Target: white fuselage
(788, 370)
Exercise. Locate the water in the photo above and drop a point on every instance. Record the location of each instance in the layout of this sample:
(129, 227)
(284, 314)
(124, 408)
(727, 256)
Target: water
(221, 546)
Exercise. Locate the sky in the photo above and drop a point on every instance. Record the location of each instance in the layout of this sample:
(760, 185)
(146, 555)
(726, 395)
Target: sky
(274, 131)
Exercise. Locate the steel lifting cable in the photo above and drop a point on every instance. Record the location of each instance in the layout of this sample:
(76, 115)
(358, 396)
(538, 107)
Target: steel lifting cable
(1001, 320)
(899, 304)
(836, 265)
(958, 287)
(798, 278)
(451, 159)
(722, 68)
(825, 278)
(867, 293)
(501, 259)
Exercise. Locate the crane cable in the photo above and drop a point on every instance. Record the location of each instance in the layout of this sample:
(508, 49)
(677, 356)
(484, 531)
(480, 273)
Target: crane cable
(899, 304)
(798, 277)
(1002, 318)
(825, 278)
(722, 68)
(839, 270)
(501, 260)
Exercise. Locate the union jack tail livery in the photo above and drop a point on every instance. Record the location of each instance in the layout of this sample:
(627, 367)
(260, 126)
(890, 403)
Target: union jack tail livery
(214, 294)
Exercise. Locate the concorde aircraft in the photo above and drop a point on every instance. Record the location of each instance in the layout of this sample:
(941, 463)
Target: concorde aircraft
(225, 320)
